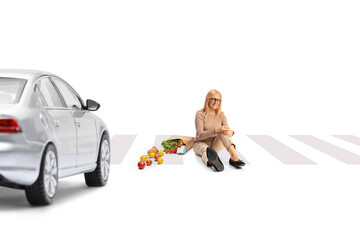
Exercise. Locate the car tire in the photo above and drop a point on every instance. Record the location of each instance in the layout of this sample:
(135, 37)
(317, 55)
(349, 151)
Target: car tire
(42, 192)
(100, 175)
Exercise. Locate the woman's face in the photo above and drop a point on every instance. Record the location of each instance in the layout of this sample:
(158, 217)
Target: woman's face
(214, 101)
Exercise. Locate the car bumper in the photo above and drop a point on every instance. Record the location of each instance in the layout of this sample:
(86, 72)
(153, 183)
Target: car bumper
(19, 163)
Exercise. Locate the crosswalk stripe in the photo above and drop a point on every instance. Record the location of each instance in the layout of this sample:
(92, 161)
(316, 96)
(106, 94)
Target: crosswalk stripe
(329, 149)
(349, 138)
(120, 145)
(279, 150)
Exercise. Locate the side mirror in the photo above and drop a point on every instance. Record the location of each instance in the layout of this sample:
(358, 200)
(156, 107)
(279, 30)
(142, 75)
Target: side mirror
(91, 105)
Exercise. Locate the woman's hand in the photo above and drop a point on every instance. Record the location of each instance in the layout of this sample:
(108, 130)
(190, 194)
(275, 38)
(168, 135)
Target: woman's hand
(228, 132)
(224, 130)
(220, 129)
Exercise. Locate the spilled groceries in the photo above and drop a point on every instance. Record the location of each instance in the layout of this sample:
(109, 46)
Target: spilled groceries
(172, 145)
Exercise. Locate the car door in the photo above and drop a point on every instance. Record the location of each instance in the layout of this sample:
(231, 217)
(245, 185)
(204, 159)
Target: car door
(87, 140)
(62, 120)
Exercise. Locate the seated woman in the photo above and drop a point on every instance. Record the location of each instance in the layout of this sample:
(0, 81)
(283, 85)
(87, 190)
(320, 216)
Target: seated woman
(213, 133)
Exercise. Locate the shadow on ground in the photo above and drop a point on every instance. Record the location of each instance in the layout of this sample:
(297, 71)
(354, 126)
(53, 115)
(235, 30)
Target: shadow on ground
(15, 199)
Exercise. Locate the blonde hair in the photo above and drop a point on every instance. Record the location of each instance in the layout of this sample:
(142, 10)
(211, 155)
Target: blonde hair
(206, 108)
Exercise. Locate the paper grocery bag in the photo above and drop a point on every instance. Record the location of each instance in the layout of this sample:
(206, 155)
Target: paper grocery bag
(188, 141)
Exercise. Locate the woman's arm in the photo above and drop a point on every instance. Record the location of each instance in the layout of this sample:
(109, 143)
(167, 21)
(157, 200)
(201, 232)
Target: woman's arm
(199, 124)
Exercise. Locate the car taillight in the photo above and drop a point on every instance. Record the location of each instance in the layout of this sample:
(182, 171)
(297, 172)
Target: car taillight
(9, 126)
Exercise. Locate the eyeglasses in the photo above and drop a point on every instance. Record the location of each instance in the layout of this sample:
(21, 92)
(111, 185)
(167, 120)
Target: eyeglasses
(215, 100)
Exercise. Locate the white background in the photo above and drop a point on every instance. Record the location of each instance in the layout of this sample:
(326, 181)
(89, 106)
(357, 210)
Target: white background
(283, 67)
(288, 66)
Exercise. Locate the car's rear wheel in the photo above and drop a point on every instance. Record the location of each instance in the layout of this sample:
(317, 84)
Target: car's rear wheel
(43, 190)
(100, 175)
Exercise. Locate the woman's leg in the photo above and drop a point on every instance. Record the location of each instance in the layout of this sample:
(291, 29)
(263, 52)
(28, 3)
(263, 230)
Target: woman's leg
(233, 154)
(222, 141)
(200, 149)
(208, 155)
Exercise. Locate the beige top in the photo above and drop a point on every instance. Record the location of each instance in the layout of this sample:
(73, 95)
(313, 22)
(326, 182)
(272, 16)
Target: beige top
(206, 126)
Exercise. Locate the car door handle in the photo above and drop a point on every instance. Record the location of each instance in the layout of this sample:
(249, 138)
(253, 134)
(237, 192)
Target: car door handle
(56, 123)
(78, 123)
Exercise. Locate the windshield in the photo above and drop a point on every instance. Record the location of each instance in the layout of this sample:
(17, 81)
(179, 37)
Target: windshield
(11, 90)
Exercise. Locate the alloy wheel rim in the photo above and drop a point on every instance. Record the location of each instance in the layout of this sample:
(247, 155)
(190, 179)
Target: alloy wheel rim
(50, 174)
(105, 159)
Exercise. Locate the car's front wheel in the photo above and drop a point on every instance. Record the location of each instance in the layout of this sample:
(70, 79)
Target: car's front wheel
(100, 175)
(43, 190)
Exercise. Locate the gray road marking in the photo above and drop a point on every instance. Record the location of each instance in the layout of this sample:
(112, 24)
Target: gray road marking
(329, 149)
(282, 152)
(120, 145)
(349, 138)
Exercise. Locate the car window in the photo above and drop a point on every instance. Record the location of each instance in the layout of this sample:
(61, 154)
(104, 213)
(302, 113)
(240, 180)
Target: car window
(39, 96)
(11, 90)
(70, 98)
(49, 93)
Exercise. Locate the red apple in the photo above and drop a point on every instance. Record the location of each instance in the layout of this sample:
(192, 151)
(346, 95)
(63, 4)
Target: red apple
(141, 165)
(149, 162)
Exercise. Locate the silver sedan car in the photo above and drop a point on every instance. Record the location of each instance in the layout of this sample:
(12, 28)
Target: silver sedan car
(47, 132)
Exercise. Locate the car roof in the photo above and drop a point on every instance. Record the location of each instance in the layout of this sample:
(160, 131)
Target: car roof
(21, 73)
(30, 75)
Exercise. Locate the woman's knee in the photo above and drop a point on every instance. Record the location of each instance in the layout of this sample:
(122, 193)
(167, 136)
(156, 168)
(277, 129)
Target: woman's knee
(200, 148)
(226, 140)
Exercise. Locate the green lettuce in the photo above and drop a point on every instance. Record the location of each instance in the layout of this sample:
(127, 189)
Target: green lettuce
(169, 145)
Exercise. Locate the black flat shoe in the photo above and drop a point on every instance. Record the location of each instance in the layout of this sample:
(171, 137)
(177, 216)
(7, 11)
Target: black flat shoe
(235, 166)
(214, 159)
(238, 163)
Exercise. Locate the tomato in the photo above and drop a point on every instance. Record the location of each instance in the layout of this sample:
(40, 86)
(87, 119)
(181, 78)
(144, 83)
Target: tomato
(141, 165)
